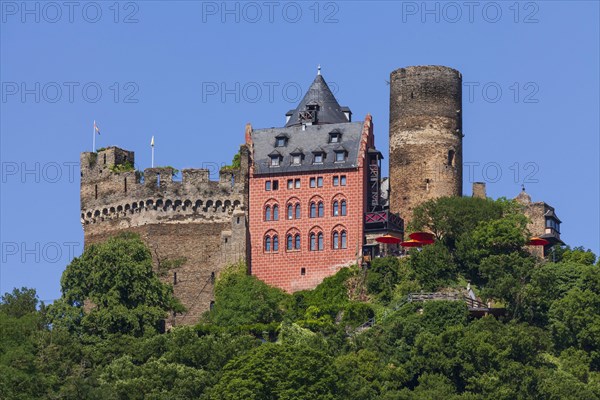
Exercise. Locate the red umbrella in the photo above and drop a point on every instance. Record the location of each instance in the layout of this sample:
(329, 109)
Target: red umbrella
(412, 243)
(389, 239)
(422, 236)
(537, 241)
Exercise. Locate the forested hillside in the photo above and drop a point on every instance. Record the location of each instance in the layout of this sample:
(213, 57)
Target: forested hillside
(102, 339)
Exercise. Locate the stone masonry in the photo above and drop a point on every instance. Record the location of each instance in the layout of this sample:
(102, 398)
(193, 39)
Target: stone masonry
(425, 136)
(194, 227)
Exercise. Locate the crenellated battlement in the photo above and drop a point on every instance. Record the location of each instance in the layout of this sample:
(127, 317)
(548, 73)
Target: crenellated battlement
(108, 178)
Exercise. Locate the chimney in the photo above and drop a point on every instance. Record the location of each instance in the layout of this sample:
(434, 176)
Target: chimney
(479, 190)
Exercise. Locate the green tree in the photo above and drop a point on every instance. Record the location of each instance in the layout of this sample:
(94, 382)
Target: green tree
(242, 299)
(116, 280)
(507, 276)
(575, 322)
(579, 255)
(382, 277)
(19, 303)
(433, 266)
(450, 217)
(550, 282)
(278, 371)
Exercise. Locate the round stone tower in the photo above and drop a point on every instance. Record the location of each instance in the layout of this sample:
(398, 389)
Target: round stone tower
(425, 136)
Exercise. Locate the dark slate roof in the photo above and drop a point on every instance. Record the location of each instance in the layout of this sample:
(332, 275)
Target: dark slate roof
(314, 138)
(330, 112)
(550, 213)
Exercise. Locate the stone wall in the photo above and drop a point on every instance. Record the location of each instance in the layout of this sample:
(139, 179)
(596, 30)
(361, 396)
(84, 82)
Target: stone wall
(194, 227)
(479, 190)
(425, 136)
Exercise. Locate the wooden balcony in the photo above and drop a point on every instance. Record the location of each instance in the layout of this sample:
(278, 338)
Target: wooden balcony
(383, 221)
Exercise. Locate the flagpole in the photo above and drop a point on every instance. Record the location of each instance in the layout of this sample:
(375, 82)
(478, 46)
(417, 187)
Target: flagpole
(94, 138)
(152, 144)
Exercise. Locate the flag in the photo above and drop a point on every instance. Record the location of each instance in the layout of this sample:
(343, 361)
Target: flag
(96, 129)
(152, 142)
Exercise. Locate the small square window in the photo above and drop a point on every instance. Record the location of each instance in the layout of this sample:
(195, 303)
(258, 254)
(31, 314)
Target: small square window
(320, 181)
(280, 142)
(267, 185)
(290, 184)
(275, 161)
(313, 182)
(302, 271)
(340, 156)
(343, 180)
(319, 158)
(335, 136)
(297, 183)
(275, 185)
(296, 159)
(336, 181)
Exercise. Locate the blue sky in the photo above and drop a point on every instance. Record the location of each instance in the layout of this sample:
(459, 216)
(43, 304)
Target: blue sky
(193, 73)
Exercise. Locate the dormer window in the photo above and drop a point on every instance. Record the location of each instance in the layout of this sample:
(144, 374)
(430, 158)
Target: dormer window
(281, 140)
(335, 136)
(297, 156)
(275, 158)
(318, 155)
(340, 155)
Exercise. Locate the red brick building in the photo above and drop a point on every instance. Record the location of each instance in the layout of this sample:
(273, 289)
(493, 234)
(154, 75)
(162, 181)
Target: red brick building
(311, 184)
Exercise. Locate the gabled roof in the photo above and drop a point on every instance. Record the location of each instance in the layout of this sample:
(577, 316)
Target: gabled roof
(329, 111)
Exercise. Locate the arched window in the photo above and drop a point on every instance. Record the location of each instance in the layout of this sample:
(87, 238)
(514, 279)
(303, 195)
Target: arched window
(297, 241)
(320, 240)
(290, 211)
(290, 242)
(267, 243)
(336, 240)
(344, 240)
(313, 242)
(343, 207)
(275, 243)
(321, 209)
(268, 213)
(297, 211)
(275, 212)
(336, 208)
(313, 210)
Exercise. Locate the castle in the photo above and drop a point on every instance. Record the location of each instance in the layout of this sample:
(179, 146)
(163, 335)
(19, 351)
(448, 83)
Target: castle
(305, 200)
